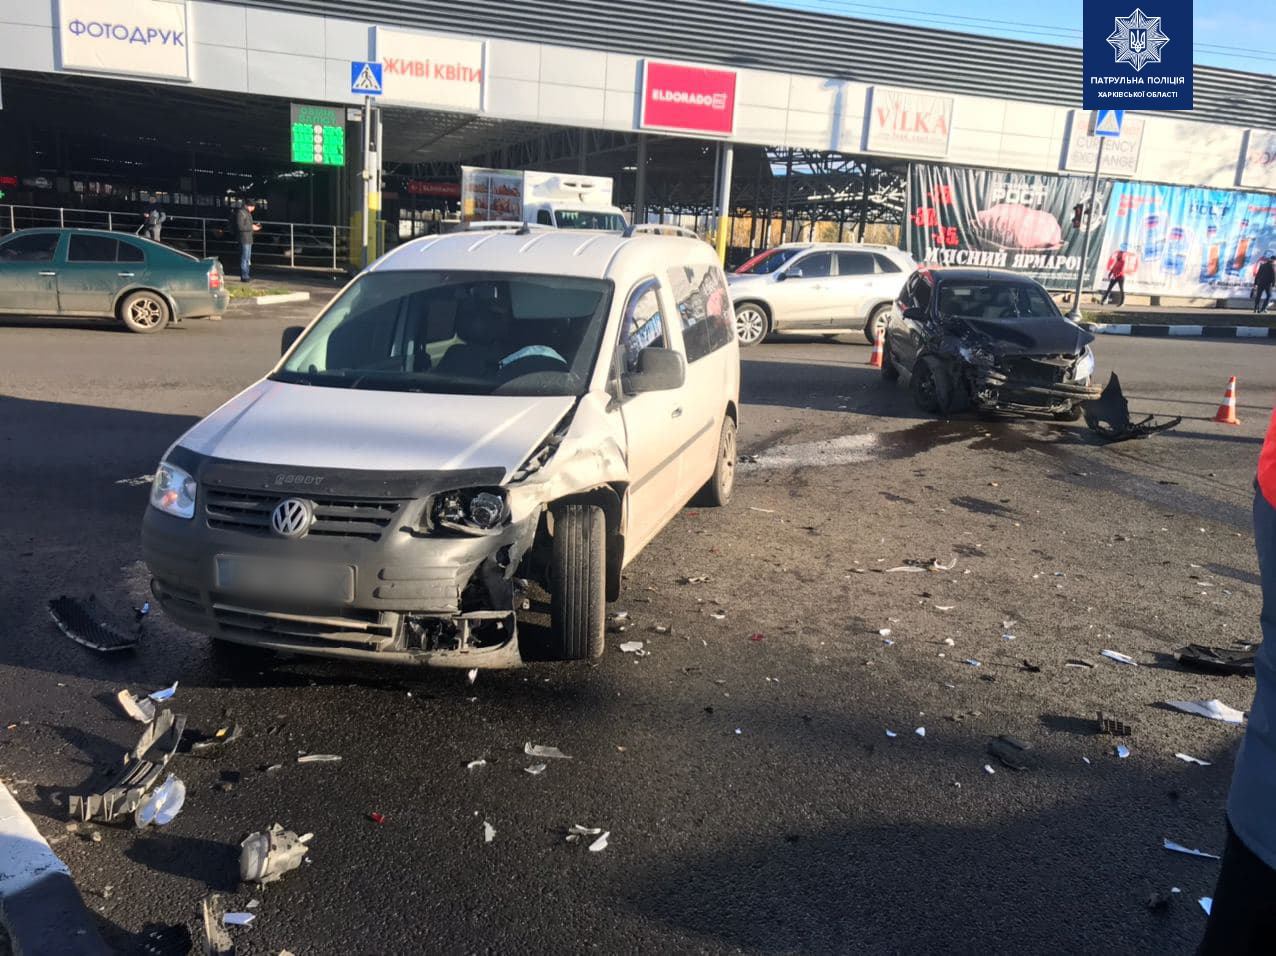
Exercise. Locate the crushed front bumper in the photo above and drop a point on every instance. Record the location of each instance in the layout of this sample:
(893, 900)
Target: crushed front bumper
(404, 596)
(1001, 389)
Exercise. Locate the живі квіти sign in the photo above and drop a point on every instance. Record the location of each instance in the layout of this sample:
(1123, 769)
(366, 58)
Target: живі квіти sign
(1137, 54)
(128, 37)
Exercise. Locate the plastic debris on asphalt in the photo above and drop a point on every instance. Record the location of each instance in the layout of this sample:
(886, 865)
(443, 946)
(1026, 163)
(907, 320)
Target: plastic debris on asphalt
(82, 622)
(543, 750)
(576, 831)
(1217, 660)
(265, 856)
(757, 637)
(1211, 709)
(198, 744)
(471, 675)
(696, 579)
(1188, 758)
(377, 817)
(475, 764)
(1180, 848)
(1119, 658)
(164, 803)
(217, 941)
(536, 769)
(884, 632)
(142, 768)
(163, 694)
(1112, 726)
(1121, 750)
(1012, 752)
(719, 615)
(972, 662)
(238, 919)
(489, 832)
(988, 769)
(1078, 662)
(949, 642)
(888, 642)
(920, 731)
(1207, 904)
(600, 844)
(633, 647)
(319, 758)
(141, 709)
(945, 607)
(891, 733)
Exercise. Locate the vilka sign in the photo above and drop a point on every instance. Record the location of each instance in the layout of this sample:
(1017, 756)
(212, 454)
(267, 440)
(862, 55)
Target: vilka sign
(127, 37)
(914, 124)
(432, 70)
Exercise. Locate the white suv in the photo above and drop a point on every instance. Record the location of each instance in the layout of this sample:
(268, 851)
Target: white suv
(474, 412)
(828, 287)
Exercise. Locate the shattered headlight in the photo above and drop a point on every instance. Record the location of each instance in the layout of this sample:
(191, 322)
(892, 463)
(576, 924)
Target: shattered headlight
(976, 356)
(173, 491)
(1085, 365)
(470, 511)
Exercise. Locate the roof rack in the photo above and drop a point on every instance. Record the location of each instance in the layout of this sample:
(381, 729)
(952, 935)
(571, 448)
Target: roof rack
(504, 225)
(658, 229)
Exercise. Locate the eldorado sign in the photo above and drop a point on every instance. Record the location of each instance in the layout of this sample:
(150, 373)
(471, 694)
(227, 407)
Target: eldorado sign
(687, 99)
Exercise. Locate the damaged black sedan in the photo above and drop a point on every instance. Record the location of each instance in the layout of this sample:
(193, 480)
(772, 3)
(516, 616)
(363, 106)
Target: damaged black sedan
(990, 340)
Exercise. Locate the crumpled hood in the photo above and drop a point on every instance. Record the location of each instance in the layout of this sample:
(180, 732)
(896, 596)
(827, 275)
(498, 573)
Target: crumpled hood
(1046, 336)
(316, 427)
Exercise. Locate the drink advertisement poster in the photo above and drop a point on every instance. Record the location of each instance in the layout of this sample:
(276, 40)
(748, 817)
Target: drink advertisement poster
(1188, 241)
(1001, 220)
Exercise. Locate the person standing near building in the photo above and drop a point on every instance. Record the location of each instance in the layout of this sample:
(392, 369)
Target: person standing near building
(245, 227)
(1264, 279)
(1243, 915)
(153, 218)
(1116, 276)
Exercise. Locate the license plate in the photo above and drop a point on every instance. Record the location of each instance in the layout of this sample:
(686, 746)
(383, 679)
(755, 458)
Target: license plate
(297, 580)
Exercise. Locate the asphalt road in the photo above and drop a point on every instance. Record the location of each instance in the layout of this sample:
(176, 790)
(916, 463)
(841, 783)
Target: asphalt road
(755, 800)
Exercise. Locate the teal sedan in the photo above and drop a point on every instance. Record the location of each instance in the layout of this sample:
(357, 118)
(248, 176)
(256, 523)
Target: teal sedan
(95, 274)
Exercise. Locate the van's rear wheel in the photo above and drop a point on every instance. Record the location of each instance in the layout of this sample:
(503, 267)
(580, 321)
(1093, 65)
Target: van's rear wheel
(578, 598)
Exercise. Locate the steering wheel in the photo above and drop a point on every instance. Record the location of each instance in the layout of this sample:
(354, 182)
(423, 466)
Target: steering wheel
(530, 352)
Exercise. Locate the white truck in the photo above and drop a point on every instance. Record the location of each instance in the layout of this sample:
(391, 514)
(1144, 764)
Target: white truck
(560, 200)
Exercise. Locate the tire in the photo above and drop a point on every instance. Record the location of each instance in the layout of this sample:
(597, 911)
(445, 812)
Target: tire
(752, 324)
(923, 386)
(144, 312)
(890, 371)
(717, 491)
(875, 318)
(578, 570)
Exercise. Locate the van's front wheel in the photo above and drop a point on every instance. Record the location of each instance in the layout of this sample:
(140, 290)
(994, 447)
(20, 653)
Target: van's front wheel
(579, 582)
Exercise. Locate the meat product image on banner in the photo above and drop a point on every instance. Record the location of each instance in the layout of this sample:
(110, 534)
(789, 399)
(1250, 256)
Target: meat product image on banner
(1031, 223)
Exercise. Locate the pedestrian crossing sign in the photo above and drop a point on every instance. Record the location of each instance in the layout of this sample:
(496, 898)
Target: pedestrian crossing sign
(1107, 123)
(365, 78)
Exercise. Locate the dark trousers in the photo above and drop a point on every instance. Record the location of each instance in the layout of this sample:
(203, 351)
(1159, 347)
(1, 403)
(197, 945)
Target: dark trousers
(1243, 916)
(1262, 293)
(1118, 281)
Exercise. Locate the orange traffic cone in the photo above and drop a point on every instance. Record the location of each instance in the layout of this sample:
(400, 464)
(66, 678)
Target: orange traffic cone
(1226, 414)
(875, 359)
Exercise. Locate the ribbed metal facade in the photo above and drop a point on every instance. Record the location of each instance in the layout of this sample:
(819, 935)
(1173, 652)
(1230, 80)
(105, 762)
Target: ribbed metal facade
(750, 35)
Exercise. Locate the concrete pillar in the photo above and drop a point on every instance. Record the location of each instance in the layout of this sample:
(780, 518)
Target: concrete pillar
(640, 181)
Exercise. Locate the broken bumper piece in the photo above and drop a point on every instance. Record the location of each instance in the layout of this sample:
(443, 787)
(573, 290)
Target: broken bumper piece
(143, 766)
(1109, 416)
(995, 388)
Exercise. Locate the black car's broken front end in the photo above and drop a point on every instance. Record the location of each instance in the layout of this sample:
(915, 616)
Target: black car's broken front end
(997, 378)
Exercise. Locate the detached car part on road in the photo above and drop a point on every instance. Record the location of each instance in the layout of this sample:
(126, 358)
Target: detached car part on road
(473, 412)
(988, 339)
(94, 274)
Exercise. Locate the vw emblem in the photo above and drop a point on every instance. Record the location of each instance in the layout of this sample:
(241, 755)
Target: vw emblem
(292, 517)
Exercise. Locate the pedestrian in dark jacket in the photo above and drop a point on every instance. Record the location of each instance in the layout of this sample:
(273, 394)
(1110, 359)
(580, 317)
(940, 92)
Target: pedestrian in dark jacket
(1243, 915)
(244, 228)
(153, 218)
(1264, 279)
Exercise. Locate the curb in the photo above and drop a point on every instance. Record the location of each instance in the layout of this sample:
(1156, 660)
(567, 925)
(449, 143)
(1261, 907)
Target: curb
(40, 906)
(1208, 331)
(280, 299)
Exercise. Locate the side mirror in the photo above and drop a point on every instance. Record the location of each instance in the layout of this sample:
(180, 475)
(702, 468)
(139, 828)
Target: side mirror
(659, 370)
(915, 314)
(794, 273)
(290, 335)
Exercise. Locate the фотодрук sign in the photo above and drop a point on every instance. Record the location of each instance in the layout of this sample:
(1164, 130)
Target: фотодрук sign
(687, 99)
(126, 37)
(914, 124)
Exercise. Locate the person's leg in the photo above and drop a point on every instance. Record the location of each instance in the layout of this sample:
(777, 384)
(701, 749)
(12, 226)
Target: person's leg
(1267, 297)
(1104, 299)
(245, 260)
(1121, 285)
(1243, 915)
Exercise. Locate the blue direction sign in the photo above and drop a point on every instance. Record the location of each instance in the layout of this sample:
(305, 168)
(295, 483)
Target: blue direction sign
(365, 78)
(1108, 123)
